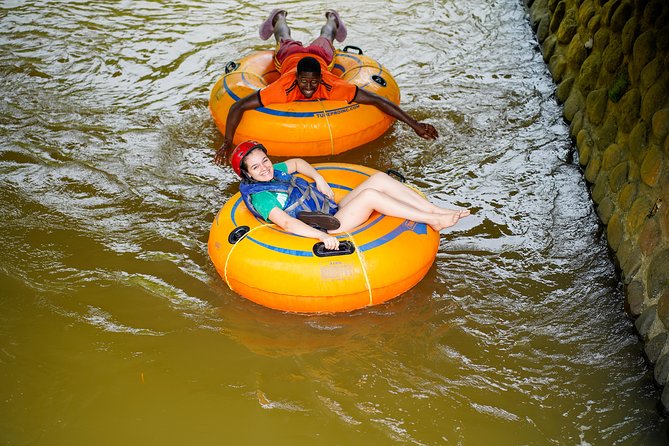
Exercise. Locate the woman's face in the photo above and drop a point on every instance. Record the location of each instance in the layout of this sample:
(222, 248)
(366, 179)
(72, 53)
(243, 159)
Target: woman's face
(258, 166)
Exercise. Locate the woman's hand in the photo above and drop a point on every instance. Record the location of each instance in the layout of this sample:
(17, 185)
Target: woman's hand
(323, 187)
(331, 243)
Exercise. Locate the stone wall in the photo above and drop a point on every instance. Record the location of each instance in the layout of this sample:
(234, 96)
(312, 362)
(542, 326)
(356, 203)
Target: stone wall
(610, 62)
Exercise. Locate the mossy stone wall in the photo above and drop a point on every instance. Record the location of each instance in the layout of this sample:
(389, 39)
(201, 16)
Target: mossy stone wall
(610, 62)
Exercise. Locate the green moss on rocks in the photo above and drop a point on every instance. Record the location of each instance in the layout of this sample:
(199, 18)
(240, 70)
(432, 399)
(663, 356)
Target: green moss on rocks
(629, 34)
(619, 86)
(563, 89)
(618, 176)
(651, 167)
(658, 275)
(614, 231)
(629, 110)
(660, 124)
(655, 98)
(595, 105)
(620, 15)
(627, 195)
(587, 77)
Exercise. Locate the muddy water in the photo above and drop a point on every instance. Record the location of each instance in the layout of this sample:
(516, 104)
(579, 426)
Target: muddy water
(116, 329)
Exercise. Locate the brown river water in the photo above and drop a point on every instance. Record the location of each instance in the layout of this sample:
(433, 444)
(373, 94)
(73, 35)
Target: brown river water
(116, 329)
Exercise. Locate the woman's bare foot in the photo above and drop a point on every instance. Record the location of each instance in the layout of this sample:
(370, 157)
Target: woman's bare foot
(444, 221)
(444, 211)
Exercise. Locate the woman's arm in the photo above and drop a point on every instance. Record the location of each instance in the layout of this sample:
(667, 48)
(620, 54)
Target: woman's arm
(424, 130)
(300, 166)
(297, 227)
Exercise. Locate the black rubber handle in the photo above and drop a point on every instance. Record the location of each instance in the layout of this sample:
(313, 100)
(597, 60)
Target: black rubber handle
(351, 47)
(230, 67)
(345, 248)
(397, 174)
(237, 234)
(379, 80)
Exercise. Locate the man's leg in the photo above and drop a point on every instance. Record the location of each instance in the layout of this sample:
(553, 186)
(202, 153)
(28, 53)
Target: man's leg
(281, 29)
(329, 30)
(267, 28)
(339, 30)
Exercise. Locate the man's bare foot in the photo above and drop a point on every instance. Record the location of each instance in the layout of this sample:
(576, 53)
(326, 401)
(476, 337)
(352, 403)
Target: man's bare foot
(267, 27)
(341, 28)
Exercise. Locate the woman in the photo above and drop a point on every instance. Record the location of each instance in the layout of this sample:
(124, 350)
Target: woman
(271, 192)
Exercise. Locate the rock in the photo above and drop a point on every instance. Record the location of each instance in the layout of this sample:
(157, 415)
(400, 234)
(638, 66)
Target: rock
(644, 50)
(644, 322)
(586, 11)
(595, 105)
(559, 12)
(629, 110)
(658, 275)
(654, 346)
(629, 260)
(649, 237)
(562, 91)
(587, 77)
(620, 16)
(613, 55)
(584, 143)
(612, 156)
(576, 124)
(638, 214)
(663, 308)
(660, 124)
(627, 195)
(574, 103)
(614, 231)
(661, 371)
(607, 132)
(618, 177)
(655, 98)
(548, 47)
(576, 52)
(651, 167)
(650, 73)
(628, 35)
(600, 188)
(635, 296)
(542, 27)
(601, 39)
(605, 209)
(557, 66)
(638, 141)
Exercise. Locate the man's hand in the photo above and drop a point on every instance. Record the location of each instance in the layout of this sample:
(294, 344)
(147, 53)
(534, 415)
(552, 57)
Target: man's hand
(426, 131)
(222, 153)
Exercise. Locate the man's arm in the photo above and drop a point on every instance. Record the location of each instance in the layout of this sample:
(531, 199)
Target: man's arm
(424, 130)
(235, 114)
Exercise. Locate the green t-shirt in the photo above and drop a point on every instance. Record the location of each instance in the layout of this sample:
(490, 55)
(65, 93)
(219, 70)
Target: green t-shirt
(265, 201)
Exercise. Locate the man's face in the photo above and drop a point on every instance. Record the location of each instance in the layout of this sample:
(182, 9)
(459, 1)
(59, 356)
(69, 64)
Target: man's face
(308, 83)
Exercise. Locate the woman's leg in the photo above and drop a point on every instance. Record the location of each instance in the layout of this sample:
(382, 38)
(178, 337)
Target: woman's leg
(399, 191)
(357, 210)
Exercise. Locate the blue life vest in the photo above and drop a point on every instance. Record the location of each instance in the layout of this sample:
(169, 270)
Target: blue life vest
(302, 195)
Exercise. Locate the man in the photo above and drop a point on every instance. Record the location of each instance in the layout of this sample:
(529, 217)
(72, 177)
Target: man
(305, 75)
